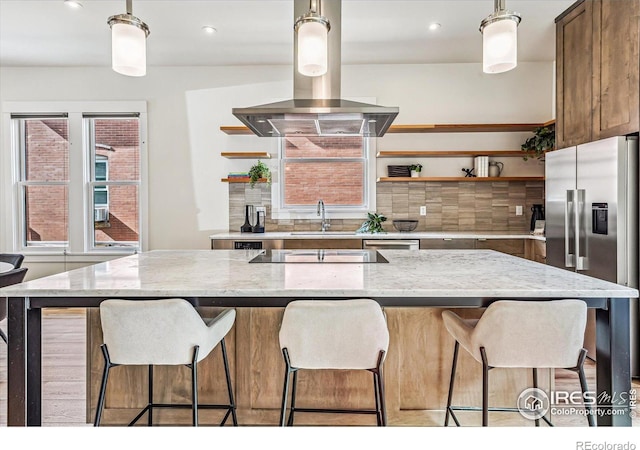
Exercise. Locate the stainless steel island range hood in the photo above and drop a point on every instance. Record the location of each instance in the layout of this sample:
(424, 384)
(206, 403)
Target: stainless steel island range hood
(316, 108)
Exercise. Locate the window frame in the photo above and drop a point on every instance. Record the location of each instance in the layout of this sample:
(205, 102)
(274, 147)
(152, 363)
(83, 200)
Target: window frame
(282, 212)
(80, 216)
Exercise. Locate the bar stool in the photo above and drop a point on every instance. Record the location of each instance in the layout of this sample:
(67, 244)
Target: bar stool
(334, 334)
(15, 259)
(162, 332)
(520, 334)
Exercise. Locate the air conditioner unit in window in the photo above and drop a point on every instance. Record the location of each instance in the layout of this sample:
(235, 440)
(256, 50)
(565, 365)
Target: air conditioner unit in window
(101, 214)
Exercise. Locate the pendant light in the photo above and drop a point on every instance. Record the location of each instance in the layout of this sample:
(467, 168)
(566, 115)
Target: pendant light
(500, 39)
(312, 29)
(128, 43)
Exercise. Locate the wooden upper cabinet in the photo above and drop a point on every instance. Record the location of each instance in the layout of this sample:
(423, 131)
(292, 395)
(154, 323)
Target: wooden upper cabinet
(574, 69)
(597, 71)
(616, 67)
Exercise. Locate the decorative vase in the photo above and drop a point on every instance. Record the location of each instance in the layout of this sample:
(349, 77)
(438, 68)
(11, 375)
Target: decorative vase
(415, 174)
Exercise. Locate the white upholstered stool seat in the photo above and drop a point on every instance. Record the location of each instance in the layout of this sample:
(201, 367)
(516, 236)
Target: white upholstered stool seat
(520, 334)
(334, 334)
(162, 332)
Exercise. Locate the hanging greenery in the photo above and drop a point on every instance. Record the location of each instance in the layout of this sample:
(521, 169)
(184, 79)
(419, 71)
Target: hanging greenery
(543, 139)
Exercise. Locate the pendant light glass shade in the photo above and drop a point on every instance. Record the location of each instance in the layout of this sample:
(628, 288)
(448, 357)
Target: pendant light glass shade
(500, 40)
(128, 50)
(500, 47)
(312, 49)
(128, 44)
(312, 37)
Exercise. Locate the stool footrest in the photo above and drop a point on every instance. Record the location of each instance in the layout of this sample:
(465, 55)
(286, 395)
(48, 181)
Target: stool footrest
(335, 411)
(490, 409)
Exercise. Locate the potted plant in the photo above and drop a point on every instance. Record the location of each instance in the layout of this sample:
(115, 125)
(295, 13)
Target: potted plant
(543, 139)
(258, 171)
(415, 170)
(373, 224)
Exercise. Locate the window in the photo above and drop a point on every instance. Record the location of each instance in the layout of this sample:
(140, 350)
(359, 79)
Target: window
(334, 169)
(115, 144)
(77, 177)
(43, 149)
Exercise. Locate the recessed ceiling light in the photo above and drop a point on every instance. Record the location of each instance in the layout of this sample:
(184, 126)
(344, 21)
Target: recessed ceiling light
(209, 30)
(73, 4)
(434, 26)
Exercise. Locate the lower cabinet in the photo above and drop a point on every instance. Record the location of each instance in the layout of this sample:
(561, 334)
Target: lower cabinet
(513, 247)
(326, 244)
(447, 244)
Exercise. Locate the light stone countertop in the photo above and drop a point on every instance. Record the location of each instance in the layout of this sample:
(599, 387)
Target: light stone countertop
(230, 235)
(411, 278)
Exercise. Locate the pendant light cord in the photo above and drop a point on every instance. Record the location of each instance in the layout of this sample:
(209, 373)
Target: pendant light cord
(130, 7)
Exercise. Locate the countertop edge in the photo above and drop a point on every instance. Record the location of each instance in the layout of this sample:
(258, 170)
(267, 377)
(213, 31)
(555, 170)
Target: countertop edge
(225, 235)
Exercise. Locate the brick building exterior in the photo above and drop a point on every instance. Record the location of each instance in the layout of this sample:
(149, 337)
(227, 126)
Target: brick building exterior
(335, 182)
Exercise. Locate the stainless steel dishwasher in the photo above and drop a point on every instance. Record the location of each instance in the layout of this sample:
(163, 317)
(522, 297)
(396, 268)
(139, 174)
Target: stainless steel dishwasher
(391, 244)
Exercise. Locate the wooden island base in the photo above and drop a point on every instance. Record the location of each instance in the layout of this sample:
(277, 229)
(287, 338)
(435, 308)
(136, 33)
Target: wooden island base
(416, 372)
(416, 376)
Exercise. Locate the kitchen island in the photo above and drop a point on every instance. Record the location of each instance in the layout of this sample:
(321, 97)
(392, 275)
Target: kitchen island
(413, 287)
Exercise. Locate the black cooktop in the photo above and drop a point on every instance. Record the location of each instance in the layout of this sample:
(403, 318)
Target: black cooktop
(319, 256)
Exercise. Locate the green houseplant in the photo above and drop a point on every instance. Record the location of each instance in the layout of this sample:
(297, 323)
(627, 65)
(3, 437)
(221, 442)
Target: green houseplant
(257, 171)
(543, 139)
(415, 169)
(373, 224)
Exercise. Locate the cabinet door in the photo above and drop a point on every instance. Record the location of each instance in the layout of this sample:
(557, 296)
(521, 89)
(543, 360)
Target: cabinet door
(574, 72)
(447, 244)
(325, 244)
(513, 247)
(615, 67)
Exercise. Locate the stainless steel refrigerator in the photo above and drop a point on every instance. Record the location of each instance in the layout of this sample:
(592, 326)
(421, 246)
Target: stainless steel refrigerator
(591, 216)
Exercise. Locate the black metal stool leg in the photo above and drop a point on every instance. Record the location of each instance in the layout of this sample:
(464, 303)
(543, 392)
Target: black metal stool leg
(285, 389)
(227, 373)
(383, 407)
(451, 383)
(292, 409)
(194, 386)
(376, 393)
(103, 386)
(485, 388)
(535, 385)
(4, 337)
(150, 413)
(584, 387)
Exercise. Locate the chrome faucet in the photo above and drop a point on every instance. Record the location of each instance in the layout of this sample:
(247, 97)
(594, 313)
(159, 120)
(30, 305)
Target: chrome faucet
(321, 213)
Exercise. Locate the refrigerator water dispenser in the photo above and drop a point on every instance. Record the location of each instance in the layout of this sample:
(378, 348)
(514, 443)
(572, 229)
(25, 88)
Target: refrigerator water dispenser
(600, 218)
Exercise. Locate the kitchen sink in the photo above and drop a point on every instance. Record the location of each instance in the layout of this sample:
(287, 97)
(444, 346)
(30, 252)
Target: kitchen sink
(323, 233)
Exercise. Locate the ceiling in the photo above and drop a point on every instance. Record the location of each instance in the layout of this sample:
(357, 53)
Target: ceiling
(49, 33)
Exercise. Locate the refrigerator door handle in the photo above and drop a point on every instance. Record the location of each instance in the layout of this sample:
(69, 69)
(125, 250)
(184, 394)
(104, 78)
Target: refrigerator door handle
(569, 210)
(581, 261)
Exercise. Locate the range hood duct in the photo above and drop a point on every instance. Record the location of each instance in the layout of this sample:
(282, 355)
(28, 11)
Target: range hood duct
(316, 108)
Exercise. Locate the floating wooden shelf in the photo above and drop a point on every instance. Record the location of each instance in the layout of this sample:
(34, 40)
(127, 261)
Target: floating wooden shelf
(464, 128)
(550, 123)
(246, 155)
(241, 180)
(447, 153)
(236, 129)
(433, 128)
(473, 179)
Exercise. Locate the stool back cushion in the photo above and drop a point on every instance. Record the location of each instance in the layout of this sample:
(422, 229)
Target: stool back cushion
(334, 334)
(158, 332)
(531, 334)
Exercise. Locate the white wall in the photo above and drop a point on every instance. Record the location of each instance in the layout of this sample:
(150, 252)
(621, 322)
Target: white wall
(187, 105)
